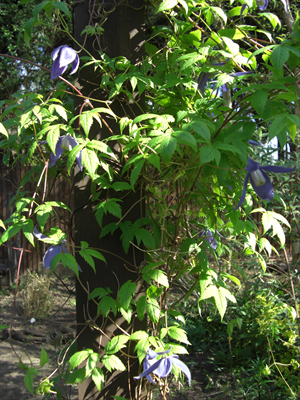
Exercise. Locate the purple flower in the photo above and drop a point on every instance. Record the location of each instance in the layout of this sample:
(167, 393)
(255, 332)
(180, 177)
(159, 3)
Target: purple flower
(52, 251)
(262, 4)
(62, 57)
(162, 367)
(65, 143)
(254, 143)
(210, 238)
(260, 181)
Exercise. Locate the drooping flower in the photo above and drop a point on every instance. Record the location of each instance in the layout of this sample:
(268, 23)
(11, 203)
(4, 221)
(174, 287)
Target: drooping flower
(262, 4)
(62, 57)
(162, 367)
(52, 251)
(260, 181)
(65, 143)
(210, 238)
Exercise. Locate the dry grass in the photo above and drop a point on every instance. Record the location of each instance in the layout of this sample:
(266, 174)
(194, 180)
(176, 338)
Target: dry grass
(36, 296)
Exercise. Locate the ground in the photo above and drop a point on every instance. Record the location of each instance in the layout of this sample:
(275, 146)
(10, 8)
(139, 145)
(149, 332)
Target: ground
(29, 338)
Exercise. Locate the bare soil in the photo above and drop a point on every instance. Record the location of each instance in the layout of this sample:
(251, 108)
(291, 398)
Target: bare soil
(29, 338)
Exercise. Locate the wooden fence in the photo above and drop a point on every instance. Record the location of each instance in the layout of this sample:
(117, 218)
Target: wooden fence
(56, 189)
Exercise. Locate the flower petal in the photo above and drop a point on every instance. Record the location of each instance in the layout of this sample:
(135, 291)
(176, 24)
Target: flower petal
(149, 370)
(243, 196)
(39, 235)
(262, 4)
(56, 52)
(264, 191)
(67, 56)
(254, 143)
(183, 368)
(75, 65)
(58, 152)
(252, 165)
(277, 169)
(202, 81)
(164, 368)
(57, 70)
(50, 254)
(78, 159)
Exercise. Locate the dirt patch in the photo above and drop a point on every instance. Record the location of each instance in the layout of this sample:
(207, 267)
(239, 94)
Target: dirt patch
(29, 338)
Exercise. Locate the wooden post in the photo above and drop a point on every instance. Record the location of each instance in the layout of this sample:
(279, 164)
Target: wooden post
(123, 35)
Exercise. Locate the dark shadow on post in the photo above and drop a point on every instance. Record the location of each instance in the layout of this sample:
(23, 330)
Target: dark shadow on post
(123, 35)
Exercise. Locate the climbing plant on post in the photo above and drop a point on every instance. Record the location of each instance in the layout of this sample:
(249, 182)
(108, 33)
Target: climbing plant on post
(102, 196)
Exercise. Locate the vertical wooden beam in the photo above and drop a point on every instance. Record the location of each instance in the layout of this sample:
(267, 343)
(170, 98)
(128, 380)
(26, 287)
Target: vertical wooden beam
(123, 35)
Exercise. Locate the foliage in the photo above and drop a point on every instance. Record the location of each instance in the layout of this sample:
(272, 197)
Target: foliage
(188, 151)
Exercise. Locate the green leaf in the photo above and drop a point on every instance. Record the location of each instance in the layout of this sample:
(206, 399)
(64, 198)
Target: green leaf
(52, 137)
(272, 18)
(72, 156)
(3, 130)
(68, 261)
(88, 259)
(153, 310)
(136, 172)
(202, 129)
(278, 125)
(106, 304)
(112, 362)
(10, 233)
(44, 211)
(115, 344)
(167, 147)
(62, 7)
(141, 307)
(28, 379)
(61, 111)
(126, 293)
(186, 138)
(44, 359)
(280, 56)
(209, 153)
(145, 236)
(27, 229)
(155, 274)
(76, 376)
(98, 292)
(144, 117)
(178, 334)
(259, 100)
(139, 335)
(79, 357)
(100, 146)
(91, 363)
(167, 5)
(90, 161)
(98, 378)
(86, 121)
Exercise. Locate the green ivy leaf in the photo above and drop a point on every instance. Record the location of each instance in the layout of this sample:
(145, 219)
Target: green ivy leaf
(126, 293)
(106, 304)
(153, 310)
(112, 362)
(115, 344)
(98, 378)
(44, 359)
(167, 5)
(141, 307)
(91, 363)
(79, 357)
